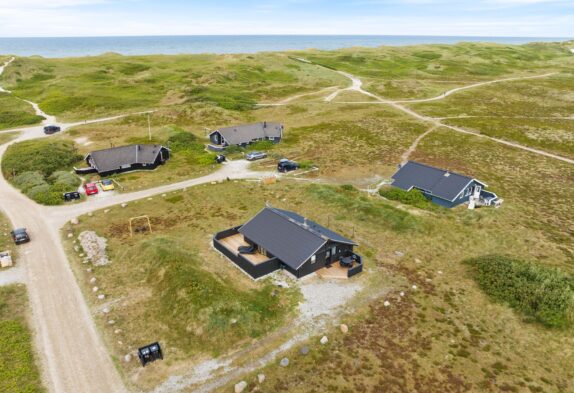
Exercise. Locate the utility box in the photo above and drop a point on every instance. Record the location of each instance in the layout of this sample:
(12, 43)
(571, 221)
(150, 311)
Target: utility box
(150, 353)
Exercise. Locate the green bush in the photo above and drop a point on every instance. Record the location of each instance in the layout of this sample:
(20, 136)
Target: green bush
(186, 144)
(44, 156)
(413, 197)
(540, 292)
(39, 168)
(262, 145)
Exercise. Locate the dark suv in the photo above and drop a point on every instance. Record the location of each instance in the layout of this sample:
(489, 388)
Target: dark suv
(20, 236)
(51, 129)
(285, 165)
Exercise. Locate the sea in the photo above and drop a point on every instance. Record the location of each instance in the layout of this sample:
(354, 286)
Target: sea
(223, 44)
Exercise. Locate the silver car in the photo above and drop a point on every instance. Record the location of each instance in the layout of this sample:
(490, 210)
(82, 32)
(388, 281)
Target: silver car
(255, 155)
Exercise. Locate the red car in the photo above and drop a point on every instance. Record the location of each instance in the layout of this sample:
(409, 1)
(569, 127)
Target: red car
(91, 188)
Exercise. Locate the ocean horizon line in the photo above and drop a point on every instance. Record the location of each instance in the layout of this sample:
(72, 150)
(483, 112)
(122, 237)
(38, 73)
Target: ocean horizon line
(59, 47)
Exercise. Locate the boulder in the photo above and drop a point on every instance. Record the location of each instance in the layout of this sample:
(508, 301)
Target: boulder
(71, 235)
(344, 328)
(95, 289)
(402, 294)
(261, 378)
(93, 280)
(414, 287)
(386, 303)
(240, 387)
(304, 350)
(324, 340)
(284, 362)
(101, 296)
(128, 358)
(106, 310)
(74, 221)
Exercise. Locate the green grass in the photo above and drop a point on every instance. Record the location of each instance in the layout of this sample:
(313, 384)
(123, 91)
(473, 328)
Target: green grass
(18, 368)
(102, 85)
(428, 70)
(8, 136)
(413, 198)
(41, 169)
(15, 113)
(540, 292)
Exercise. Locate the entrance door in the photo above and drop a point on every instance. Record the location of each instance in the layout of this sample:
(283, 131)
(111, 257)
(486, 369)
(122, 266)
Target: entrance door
(477, 190)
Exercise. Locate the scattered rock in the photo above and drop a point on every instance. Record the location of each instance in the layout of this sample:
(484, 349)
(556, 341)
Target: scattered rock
(89, 270)
(399, 254)
(304, 350)
(439, 272)
(101, 296)
(418, 260)
(117, 331)
(95, 289)
(344, 328)
(163, 195)
(213, 182)
(93, 280)
(284, 362)
(111, 322)
(123, 204)
(95, 247)
(76, 248)
(81, 255)
(428, 280)
(261, 378)
(402, 294)
(324, 340)
(106, 310)
(107, 211)
(74, 221)
(386, 303)
(128, 358)
(233, 321)
(240, 387)
(414, 287)
(71, 235)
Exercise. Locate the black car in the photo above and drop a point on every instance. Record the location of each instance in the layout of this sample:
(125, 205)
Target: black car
(20, 236)
(287, 165)
(51, 129)
(220, 158)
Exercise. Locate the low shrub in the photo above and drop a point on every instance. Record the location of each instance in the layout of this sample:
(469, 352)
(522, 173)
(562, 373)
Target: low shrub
(413, 197)
(540, 292)
(186, 144)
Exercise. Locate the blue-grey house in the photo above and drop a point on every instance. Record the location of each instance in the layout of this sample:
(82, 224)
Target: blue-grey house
(443, 187)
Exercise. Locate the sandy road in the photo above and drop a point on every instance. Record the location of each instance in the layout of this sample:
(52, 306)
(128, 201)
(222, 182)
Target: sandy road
(357, 86)
(72, 354)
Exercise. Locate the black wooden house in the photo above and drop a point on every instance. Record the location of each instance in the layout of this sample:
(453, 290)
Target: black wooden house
(280, 239)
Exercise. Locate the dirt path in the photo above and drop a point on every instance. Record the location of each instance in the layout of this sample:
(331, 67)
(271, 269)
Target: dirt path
(357, 86)
(406, 155)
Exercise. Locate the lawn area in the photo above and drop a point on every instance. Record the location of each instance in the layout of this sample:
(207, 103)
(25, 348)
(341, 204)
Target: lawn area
(87, 87)
(15, 113)
(6, 243)
(18, 368)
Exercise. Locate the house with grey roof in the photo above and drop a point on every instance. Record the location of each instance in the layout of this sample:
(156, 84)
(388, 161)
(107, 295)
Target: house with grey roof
(277, 239)
(243, 135)
(125, 158)
(441, 186)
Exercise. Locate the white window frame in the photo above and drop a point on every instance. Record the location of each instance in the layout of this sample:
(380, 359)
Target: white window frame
(314, 259)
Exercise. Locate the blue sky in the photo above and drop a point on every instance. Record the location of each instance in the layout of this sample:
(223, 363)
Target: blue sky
(537, 18)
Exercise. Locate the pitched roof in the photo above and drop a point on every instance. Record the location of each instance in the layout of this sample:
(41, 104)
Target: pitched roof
(112, 159)
(438, 182)
(288, 236)
(248, 132)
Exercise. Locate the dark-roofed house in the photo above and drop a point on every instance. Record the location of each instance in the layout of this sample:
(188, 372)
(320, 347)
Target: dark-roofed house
(245, 134)
(125, 158)
(279, 239)
(441, 186)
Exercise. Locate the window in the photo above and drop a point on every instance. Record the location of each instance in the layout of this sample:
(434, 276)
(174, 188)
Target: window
(328, 254)
(334, 250)
(314, 259)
